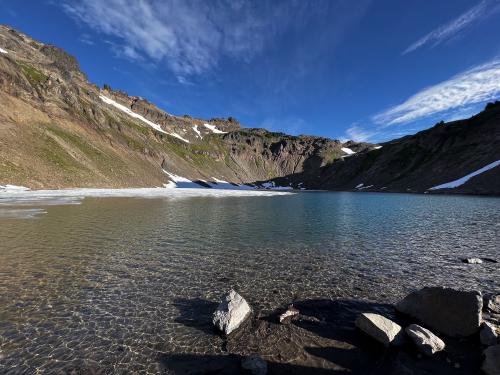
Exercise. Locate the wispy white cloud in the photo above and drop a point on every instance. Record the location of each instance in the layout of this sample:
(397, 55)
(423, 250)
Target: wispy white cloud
(188, 36)
(483, 9)
(358, 133)
(477, 85)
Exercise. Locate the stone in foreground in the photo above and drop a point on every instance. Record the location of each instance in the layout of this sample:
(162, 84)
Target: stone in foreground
(488, 334)
(255, 364)
(380, 328)
(491, 364)
(290, 314)
(452, 312)
(231, 313)
(426, 341)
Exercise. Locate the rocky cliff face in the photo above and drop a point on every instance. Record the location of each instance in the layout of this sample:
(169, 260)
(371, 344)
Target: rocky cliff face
(59, 130)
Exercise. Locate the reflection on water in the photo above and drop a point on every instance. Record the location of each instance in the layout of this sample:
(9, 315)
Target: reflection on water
(112, 283)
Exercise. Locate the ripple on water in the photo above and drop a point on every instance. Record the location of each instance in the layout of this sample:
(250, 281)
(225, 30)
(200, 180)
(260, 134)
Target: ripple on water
(111, 284)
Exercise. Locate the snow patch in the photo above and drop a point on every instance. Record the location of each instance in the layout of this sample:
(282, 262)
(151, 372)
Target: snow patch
(348, 151)
(359, 186)
(3, 51)
(12, 187)
(377, 147)
(463, 180)
(214, 129)
(195, 128)
(178, 136)
(15, 196)
(129, 112)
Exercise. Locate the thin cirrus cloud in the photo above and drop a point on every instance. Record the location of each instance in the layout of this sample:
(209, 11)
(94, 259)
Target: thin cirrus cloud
(478, 12)
(358, 134)
(477, 85)
(189, 37)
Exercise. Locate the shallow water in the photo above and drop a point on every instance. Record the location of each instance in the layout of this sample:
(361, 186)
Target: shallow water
(112, 283)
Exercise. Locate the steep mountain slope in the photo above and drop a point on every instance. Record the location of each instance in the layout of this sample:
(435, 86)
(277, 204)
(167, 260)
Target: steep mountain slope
(59, 130)
(443, 153)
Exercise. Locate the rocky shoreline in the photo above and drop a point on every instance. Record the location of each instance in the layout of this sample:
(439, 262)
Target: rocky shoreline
(434, 330)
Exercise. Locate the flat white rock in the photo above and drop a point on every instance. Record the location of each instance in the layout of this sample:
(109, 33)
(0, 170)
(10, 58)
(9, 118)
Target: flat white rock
(426, 341)
(380, 328)
(231, 313)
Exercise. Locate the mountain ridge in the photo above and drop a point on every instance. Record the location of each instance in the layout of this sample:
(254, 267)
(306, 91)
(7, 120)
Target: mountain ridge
(69, 132)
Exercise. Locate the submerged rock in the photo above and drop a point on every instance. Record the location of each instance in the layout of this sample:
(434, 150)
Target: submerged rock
(488, 334)
(491, 364)
(380, 328)
(472, 260)
(426, 341)
(290, 314)
(255, 364)
(231, 312)
(452, 312)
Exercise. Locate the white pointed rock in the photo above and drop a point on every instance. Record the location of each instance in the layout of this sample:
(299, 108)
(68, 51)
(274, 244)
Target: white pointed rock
(231, 313)
(426, 341)
(380, 328)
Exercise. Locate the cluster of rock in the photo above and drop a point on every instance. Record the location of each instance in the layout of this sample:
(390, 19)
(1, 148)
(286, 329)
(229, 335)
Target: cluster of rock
(435, 311)
(450, 312)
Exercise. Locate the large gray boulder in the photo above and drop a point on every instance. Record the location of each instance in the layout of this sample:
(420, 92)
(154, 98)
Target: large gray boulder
(426, 341)
(452, 312)
(380, 328)
(231, 312)
(491, 364)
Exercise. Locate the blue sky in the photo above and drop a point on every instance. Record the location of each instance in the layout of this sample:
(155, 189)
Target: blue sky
(364, 70)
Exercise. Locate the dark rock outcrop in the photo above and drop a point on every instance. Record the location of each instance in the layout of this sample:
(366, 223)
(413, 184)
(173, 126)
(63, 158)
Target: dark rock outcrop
(452, 312)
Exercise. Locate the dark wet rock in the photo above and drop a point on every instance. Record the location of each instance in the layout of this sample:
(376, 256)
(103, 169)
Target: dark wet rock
(489, 334)
(254, 364)
(231, 312)
(452, 312)
(380, 328)
(290, 314)
(491, 364)
(426, 341)
(472, 260)
(493, 304)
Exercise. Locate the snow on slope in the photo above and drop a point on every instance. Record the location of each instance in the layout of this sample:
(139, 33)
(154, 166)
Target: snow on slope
(463, 180)
(214, 129)
(129, 112)
(348, 151)
(3, 51)
(195, 128)
(178, 136)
